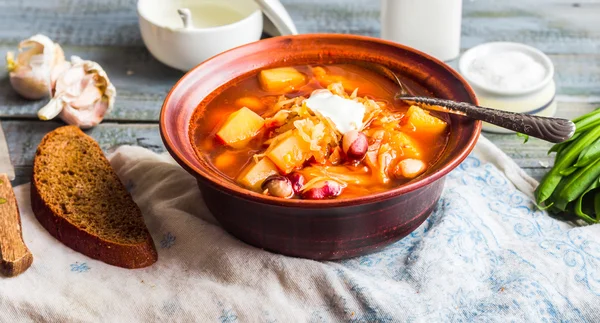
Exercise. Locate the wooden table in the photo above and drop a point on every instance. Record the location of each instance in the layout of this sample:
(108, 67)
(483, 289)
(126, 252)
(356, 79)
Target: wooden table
(106, 31)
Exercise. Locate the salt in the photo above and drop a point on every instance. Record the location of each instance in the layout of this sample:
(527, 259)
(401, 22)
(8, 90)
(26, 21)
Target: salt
(507, 70)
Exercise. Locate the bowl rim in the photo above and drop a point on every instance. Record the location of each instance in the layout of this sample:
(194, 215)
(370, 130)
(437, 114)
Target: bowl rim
(236, 190)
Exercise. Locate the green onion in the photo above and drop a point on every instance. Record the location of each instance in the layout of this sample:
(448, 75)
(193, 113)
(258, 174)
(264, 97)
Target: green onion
(576, 173)
(524, 136)
(549, 183)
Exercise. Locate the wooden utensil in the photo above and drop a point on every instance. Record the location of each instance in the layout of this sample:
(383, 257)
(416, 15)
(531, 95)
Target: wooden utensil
(15, 257)
(5, 164)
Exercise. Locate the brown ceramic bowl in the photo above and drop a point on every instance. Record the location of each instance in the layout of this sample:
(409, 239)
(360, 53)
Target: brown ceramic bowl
(329, 229)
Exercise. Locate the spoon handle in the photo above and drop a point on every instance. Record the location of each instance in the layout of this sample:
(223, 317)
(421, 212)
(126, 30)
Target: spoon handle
(554, 130)
(186, 17)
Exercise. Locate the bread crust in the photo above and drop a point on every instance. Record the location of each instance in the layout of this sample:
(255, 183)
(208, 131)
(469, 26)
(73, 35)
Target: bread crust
(130, 256)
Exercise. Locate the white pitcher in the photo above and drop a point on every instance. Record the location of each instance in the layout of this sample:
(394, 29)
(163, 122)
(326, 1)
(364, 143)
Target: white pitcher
(431, 26)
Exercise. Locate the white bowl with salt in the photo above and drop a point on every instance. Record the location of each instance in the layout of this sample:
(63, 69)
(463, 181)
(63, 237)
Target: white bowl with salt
(511, 77)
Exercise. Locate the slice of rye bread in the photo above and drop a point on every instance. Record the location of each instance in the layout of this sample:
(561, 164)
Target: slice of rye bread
(78, 198)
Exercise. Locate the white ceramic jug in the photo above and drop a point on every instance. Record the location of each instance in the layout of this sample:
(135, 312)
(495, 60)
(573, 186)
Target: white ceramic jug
(431, 26)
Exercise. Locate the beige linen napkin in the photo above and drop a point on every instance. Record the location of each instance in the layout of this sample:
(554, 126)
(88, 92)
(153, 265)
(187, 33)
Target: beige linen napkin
(485, 254)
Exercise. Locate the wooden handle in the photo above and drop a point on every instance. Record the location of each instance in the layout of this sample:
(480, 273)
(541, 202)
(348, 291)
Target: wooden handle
(15, 257)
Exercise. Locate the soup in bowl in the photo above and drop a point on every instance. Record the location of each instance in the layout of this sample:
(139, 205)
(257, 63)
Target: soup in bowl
(301, 150)
(317, 132)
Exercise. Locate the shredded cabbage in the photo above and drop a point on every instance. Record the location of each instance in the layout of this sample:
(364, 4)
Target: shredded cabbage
(315, 180)
(291, 116)
(311, 132)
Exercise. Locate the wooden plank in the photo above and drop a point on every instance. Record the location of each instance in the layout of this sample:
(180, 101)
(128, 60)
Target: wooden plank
(577, 75)
(71, 22)
(534, 154)
(556, 26)
(24, 136)
(140, 95)
(141, 81)
(536, 173)
(106, 31)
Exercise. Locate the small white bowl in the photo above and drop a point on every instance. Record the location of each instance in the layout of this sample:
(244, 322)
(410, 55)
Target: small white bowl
(183, 48)
(537, 99)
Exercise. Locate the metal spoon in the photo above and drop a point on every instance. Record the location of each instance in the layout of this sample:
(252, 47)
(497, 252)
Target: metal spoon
(554, 130)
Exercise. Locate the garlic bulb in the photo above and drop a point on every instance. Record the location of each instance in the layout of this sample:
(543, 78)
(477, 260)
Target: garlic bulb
(35, 68)
(83, 95)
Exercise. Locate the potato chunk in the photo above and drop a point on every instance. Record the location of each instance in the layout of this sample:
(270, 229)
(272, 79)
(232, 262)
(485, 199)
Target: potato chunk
(251, 102)
(421, 121)
(290, 153)
(326, 79)
(240, 127)
(226, 159)
(284, 79)
(255, 174)
(404, 145)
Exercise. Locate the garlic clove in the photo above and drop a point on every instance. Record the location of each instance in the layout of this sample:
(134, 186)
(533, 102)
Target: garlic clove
(88, 97)
(28, 85)
(30, 72)
(40, 44)
(57, 72)
(102, 81)
(85, 118)
(70, 80)
(51, 109)
(83, 95)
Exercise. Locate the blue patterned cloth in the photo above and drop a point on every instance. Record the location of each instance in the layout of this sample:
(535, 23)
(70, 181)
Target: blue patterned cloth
(486, 254)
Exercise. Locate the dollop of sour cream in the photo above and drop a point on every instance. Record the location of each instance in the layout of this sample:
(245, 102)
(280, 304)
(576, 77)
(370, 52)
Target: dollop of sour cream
(346, 114)
(507, 70)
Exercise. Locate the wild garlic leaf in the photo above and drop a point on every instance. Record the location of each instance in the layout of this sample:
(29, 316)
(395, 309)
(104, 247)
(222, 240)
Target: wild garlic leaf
(524, 136)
